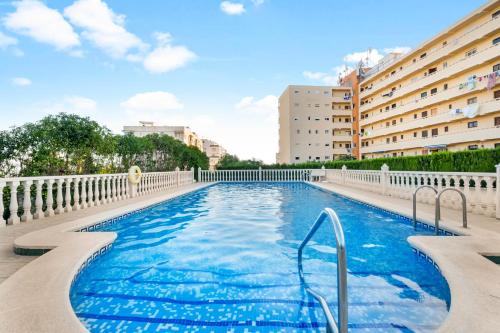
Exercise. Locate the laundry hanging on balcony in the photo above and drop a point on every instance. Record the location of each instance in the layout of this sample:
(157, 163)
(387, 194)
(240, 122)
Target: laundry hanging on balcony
(470, 111)
(492, 80)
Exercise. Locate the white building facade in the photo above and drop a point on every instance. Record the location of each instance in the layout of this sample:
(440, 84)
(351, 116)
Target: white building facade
(315, 124)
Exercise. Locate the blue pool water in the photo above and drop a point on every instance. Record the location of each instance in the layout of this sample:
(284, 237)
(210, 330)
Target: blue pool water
(224, 259)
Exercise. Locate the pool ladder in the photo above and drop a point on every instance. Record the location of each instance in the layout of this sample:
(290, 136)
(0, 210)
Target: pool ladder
(331, 325)
(437, 212)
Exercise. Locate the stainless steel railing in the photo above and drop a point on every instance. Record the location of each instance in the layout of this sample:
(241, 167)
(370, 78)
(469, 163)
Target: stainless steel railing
(415, 202)
(332, 325)
(438, 207)
(437, 214)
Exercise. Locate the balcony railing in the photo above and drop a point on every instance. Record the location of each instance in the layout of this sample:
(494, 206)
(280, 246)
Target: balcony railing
(467, 135)
(442, 118)
(457, 43)
(459, 66)
(424, 102)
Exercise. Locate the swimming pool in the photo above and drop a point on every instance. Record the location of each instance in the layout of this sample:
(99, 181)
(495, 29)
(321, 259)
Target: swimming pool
(224, 259)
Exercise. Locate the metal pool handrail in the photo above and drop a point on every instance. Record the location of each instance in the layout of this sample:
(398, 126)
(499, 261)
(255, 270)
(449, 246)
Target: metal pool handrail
(415, 202)
(332, 326)
(438, 207)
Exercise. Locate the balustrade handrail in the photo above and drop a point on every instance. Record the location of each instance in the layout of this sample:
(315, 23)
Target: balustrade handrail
(44, 196)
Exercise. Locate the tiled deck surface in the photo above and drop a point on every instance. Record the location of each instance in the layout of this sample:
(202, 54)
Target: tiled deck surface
(11, 262)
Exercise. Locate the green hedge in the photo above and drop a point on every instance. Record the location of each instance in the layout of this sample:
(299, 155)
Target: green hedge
(483, 160)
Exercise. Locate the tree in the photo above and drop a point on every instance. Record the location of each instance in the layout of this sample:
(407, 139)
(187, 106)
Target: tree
(70, 144)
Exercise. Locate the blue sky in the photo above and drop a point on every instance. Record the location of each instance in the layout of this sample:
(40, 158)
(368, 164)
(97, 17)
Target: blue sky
(216, 66)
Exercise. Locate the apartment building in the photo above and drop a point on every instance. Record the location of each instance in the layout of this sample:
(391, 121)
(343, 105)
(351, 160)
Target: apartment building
(214, 151)
(181, 133)
(442, 95)
(315, 123)
(353, 80)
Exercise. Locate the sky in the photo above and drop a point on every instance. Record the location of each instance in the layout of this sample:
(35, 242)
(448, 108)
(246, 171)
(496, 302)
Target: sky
(215, 66)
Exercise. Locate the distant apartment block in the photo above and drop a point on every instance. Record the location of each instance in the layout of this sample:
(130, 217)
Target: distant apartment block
(442, 95)
(214, 151)
(181, 133)
(315, 123)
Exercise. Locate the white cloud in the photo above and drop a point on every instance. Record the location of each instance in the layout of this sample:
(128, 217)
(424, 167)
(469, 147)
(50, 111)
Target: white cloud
(152, 101)
(21, 81)
(265, 105)
(80, 105)
(6, 41)
(232, 8)
(34, 19)
(167, 57)
(326, 78)
(104, 28)
(369, 58)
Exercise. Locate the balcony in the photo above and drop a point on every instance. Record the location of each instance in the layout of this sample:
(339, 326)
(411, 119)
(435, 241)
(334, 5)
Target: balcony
(341, 125)
(463, 64)
(341, 100)
(425, 102)
(477, 33)
(342, 113)
(467, 135)
(341, 138)
(484, 109)
(341, 151)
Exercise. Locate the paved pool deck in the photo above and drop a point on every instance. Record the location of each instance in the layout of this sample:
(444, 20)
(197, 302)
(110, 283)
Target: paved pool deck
(35, 297)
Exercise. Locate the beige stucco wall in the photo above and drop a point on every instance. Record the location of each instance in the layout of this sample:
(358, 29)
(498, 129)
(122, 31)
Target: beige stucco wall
(315, 123)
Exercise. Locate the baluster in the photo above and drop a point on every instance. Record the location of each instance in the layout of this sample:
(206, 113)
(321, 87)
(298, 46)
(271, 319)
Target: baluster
(59, 197)
(90, 195)
(114, 182)
(103, 190)
(76, 193)
(67, 195)
(13, 207)
(49, 211)
(39, 200)
(84, 193)
(27, 216)
(120, 188)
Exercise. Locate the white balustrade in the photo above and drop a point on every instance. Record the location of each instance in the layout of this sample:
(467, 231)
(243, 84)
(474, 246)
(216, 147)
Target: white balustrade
(257, 175)
(84, 191)
(479, 188)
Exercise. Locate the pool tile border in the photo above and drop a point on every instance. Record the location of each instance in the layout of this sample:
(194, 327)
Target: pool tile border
(425, 225)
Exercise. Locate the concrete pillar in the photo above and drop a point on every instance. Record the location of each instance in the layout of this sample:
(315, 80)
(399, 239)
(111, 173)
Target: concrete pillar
(384, 178)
